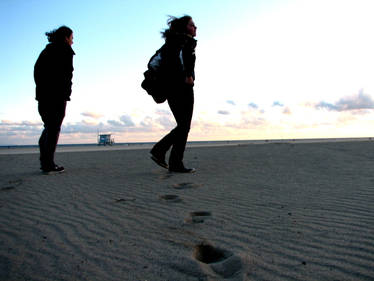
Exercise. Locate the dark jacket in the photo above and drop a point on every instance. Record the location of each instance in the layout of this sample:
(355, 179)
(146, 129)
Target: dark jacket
(178, 56)
(53, 72)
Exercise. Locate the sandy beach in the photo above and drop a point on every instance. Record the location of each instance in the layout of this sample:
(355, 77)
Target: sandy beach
(271, 211)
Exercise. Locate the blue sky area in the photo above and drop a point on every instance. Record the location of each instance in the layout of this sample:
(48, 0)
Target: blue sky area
(265, 69)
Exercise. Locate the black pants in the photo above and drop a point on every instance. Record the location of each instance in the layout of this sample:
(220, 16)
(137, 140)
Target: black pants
(181, 104)
(52, 114)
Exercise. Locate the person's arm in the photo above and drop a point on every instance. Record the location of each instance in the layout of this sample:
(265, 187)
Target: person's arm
(66, 72)
(189, 58)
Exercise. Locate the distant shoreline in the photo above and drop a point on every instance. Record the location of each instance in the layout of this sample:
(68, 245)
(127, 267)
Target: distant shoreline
(26, 149)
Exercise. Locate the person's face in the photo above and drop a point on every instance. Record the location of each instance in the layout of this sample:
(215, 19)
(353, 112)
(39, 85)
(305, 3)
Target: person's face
(191, 28)
(69, 39)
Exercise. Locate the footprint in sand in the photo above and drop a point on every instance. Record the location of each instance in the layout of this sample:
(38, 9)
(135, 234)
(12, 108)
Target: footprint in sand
(7, 188)
(124, 200)
(216, 261)
(170, 198)
(197, 217)
(186, 185)
(12, 185)
(166, 176)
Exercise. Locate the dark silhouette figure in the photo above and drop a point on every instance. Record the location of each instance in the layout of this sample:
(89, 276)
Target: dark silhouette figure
(178, 63)
(53, 72)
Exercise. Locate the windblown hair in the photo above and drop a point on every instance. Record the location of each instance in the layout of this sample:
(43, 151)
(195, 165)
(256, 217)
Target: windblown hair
(176, 25)
(59, 35)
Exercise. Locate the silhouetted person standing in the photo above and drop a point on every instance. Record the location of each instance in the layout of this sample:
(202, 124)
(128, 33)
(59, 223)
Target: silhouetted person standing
(53, 72)
(178, 63)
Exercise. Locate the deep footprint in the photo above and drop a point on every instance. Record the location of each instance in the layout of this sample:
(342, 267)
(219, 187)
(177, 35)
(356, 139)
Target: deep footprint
(170, 198)
(185, 185)
(166, 176)
(197, 217)
(222, 262)
(209, 254)
(124, 200)
(7, 188)
(12, 185)
(200, 214)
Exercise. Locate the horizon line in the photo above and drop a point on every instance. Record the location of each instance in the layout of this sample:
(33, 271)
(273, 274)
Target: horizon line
(209, 141)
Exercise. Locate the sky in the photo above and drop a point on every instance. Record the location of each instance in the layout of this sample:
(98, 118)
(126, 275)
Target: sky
(265, 69)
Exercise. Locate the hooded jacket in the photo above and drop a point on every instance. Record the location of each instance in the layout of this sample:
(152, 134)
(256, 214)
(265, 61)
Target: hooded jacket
(53, 72)
(178, 56)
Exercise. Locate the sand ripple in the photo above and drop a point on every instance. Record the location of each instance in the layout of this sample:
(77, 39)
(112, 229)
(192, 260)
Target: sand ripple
(270, 212)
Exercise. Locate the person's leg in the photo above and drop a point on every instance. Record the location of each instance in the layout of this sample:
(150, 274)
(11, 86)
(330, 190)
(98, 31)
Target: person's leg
(160, 149)
(182, 109)
(52, 115)
(42, 146)
(162, 146)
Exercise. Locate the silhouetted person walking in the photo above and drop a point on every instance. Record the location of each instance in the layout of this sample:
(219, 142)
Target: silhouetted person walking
(178, 63)
(53, 72)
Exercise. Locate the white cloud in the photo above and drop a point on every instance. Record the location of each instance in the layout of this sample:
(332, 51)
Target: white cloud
(115, 123)
(355, 102)
(127, 121)
(92, 115)
(277, 103)
(223, 112)
(22, 123)
(253, 105)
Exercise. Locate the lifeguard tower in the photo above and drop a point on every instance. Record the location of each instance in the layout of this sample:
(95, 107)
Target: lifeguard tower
(105, 139)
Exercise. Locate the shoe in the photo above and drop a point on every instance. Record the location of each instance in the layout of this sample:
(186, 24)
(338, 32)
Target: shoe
(159, 161)
(182, 170)
(52, 170)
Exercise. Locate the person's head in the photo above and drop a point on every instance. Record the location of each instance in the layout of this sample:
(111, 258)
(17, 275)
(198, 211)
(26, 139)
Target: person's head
(183, 24)
(62, 34)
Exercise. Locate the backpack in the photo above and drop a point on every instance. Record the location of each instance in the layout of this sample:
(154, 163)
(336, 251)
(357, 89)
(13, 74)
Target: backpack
(153, 82)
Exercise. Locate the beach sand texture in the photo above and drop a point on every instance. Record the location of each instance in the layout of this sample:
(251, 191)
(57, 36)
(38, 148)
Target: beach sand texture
(283, 211)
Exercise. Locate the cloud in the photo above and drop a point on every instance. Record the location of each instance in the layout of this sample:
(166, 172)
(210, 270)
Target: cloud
(231, 102)
(163, 112)
(223, 112)
(253, 105)
(328, 106)
(123, 124)
(127, 121)
(16, 132)
(23, 123)
(114, 123)
(355, 102)
(147, 123)
(81, 127)
(166, 122)
(92, 115)
(277, 103)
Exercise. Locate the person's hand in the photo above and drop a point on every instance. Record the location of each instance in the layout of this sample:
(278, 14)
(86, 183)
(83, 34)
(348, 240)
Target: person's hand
(189, 81)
